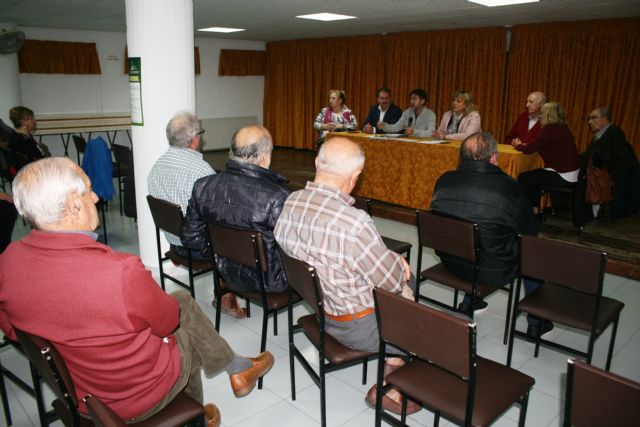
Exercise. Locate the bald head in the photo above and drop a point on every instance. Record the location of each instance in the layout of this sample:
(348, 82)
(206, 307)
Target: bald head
(340, 156)
(535, 101)
(480, 146)
(252, 144)
(339, 164)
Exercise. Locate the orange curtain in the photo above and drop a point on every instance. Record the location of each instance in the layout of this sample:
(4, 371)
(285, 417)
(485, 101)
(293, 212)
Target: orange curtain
(300, 74)
(196, 60)
(54, 57)
(442, 62)
(241, 62)
(582, 65)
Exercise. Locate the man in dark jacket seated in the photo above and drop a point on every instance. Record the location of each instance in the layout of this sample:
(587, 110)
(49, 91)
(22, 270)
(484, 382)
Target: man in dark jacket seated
(610, 149)
(246, 195)
(479, 191)
(383, 111)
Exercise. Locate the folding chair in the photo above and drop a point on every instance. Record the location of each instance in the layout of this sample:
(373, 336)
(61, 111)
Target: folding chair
(247, 248)
(34, 389)
(51, 366)
(332, 355)
(168, 217)
(570, 295)
(596, 398)
(443, 373)
(394, 245)
(454, 237)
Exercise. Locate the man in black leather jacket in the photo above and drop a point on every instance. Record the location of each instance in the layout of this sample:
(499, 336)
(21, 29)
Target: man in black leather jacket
(479, 191)
(246, 195)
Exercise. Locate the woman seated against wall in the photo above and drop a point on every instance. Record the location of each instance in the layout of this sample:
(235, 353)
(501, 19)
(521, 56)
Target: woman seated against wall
(557, 147)
(335, 117)
(461, 120)
(22, 144)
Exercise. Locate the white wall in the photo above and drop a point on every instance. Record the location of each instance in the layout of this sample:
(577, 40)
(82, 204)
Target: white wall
(109, 92)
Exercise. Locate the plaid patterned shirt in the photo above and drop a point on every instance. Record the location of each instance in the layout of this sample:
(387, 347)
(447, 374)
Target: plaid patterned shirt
(172, 177)
(318, 225)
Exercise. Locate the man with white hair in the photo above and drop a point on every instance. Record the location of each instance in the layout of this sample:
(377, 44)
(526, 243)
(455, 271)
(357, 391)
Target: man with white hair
(172, 176)
(246, 195)
(319, 226)
(124, 340)
(527, 126)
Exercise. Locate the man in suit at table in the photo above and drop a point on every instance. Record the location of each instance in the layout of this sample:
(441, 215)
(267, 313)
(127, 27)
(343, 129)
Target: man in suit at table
(384, 110)
(527, 126)
(416, 120)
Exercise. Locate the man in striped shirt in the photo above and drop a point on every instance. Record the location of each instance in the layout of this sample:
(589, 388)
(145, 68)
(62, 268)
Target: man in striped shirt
(319, 226)
(172, 176)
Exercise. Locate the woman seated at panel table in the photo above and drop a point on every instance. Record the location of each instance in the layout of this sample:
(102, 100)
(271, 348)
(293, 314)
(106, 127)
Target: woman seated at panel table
(557, 147)
(461, 120)
(335, 117)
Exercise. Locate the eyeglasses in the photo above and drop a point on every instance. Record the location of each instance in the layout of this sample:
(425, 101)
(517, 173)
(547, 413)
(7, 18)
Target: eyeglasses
(200, 132)
(593, 118)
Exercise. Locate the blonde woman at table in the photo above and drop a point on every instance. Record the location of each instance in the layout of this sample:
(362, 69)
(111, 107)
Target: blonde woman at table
(336, 116)
(461, 120)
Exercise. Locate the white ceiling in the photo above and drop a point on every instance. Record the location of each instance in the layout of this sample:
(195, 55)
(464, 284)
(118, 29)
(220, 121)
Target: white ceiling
(269, 20)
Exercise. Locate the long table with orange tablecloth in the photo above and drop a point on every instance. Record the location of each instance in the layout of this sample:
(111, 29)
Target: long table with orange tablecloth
(404, 171)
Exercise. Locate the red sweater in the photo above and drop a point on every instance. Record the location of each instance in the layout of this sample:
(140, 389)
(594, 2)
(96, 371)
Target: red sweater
(557, 148)
(521, 130)
(102, 310)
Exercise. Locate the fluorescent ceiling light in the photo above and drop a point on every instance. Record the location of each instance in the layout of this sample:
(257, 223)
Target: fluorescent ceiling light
(221, 29)
(326, 17)
(492, 3)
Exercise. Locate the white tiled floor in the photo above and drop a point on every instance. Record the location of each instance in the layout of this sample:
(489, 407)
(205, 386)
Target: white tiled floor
(345, 393)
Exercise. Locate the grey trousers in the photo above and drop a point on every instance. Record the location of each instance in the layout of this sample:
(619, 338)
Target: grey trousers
(201, 347)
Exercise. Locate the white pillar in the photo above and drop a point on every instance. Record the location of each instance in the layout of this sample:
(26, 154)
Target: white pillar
(160, 32)
(10, 82)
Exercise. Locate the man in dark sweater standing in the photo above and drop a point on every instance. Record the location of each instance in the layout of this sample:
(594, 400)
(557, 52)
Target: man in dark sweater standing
(479, 191)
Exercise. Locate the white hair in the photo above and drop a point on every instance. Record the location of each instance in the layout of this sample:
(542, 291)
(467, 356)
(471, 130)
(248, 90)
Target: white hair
(40, 189)
(343, 164)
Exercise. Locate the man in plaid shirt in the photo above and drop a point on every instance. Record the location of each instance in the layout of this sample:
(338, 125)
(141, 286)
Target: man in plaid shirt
(319, 226)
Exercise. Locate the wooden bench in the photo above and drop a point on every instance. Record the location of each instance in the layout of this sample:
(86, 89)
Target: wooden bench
(67, 124)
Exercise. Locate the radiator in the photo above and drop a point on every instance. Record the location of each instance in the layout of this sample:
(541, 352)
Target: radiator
(220, 130)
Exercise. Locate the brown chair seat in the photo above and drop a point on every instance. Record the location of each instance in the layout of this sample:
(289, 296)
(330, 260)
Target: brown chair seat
(275, 300)
(304, 283)
(457, 238)
(570, 307)
(443, 372)
(397, 246)
(439, 273)
(495, 387)
(181, 408)
(168, 217)
(333, 350)
(198, 266)
(571, 294)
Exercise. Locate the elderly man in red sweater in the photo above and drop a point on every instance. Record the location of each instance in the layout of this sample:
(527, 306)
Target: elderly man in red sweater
(124, 340)
(527, 126)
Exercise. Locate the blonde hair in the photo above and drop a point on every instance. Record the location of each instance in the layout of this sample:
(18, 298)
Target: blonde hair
(340, 94)
(552, 113)
(466, 97)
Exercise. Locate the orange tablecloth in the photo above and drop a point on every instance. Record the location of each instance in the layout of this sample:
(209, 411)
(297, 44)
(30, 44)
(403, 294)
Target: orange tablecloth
(405, 172)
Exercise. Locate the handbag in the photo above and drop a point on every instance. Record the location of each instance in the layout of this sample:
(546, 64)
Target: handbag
(599, 185)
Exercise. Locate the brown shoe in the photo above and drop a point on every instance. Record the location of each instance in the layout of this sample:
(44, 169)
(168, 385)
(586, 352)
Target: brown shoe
(212, 415)
(389, 404)
(229, 305)
(243, 382)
